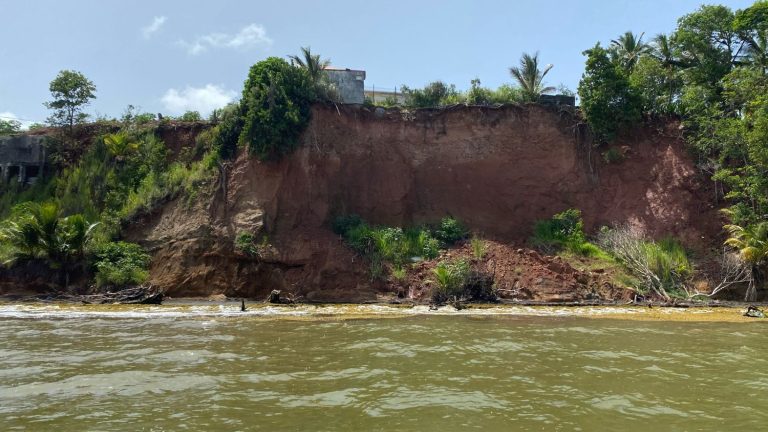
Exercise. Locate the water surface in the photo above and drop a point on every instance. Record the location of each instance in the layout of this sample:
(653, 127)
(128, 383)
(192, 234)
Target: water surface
(210, 368)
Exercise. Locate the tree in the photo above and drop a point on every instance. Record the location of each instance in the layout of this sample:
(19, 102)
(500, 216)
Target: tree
(39, 232)
(315, 67)
(607, 99)
(751, 242)
(530, 78)
(628, 49)
(275, 106)
(9, 127)
(433, 94)
(71, 91)
(312, 63)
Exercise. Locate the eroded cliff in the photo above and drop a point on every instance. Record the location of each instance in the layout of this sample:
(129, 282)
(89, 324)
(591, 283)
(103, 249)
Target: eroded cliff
(497, 169)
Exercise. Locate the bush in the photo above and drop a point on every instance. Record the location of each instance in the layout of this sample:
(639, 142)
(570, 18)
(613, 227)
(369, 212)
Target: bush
(450, 231)
(276, 107)
(191, 116)
(663, 267)
(478, 247)
(457, 280)
(246, 243)
(386, 244)
(565, 231)
(450, 277)
(120, 264)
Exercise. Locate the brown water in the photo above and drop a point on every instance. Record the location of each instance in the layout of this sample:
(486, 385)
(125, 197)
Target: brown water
(211, 369)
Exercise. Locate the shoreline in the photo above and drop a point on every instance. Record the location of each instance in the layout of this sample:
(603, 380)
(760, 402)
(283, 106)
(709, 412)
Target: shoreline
(202, 308)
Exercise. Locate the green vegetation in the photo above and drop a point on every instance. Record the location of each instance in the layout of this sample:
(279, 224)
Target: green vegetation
(397, 247)
(564, 231)
(246, 243)
(479, 247)
(450, 277)
(530, 78)
(457, 280)
(661, 267)
(710, 72)
(9, 127)
(607, 100)
(117, 176)
(751, 243)
(275, 105)
(120, 264)
(71, 91)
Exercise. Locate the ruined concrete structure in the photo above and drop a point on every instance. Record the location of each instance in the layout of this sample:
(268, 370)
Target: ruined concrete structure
(350, 84)
(22, 158)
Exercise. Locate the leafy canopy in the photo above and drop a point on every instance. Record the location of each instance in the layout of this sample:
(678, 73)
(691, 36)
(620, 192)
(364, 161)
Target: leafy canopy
(71, 91)
(276, 107)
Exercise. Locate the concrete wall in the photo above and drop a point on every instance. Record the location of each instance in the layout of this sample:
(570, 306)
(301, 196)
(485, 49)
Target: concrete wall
(350, 84)
(22, 158)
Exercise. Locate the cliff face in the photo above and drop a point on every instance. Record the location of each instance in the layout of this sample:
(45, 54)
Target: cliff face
(499, 170)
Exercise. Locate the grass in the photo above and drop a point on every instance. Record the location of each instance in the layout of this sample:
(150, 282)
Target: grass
(479, 247)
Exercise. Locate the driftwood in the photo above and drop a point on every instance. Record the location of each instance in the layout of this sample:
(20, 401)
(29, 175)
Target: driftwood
(135, 295)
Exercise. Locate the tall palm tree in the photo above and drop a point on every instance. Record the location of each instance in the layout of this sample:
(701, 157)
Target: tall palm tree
(751, 242)
(530, 78)
(312, 63)
(662, 49)
(628, 48)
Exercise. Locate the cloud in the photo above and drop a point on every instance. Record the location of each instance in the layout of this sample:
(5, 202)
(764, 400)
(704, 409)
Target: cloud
(203, 99)
(250, 36)
(7, 115)
(151, 29)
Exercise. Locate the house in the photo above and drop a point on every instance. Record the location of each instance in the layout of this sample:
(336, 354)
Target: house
(350, 84)
(22, 158)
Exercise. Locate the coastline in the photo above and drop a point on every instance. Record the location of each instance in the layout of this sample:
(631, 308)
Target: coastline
(230, 309)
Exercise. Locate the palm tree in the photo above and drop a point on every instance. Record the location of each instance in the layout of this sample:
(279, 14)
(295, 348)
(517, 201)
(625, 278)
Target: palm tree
(120, 145)
(663, 50)
(628, 48)
(757, 51)
(530, 78)
(312, 63)
(751, 242)
(40, 233)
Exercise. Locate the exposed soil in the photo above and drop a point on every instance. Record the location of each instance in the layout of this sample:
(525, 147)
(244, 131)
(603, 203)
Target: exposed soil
(499, 170)
(522, 275)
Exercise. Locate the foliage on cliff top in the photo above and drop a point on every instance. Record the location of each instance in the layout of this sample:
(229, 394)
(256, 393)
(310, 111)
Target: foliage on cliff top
(275, 106)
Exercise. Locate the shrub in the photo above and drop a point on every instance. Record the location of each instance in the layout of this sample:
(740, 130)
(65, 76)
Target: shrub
(120, 264)
(662, 267)
(245, 243)
(565, 231)
(191, 116)
(386, 244)
(450, 277)
(457, 280)
(276, 107)
(450, 231)
(478, 247)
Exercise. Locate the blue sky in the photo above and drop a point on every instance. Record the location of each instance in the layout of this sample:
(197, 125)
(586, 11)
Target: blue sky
(170, 56)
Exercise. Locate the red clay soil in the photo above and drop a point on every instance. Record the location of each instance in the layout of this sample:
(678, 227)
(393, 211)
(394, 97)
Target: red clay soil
(521, 275)
(498, 170)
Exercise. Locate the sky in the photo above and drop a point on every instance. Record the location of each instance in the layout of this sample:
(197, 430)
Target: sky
(173, 56)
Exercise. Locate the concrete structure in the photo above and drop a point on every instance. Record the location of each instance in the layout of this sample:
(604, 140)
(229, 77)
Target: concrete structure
(350, 84)
(381, 95)
(557, 100)
(22, 158)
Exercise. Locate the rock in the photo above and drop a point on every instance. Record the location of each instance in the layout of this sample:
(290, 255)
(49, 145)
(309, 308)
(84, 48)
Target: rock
(274, 296)
(754, 312)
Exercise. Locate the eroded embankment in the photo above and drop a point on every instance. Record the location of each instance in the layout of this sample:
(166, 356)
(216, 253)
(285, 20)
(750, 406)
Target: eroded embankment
(497, 169)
